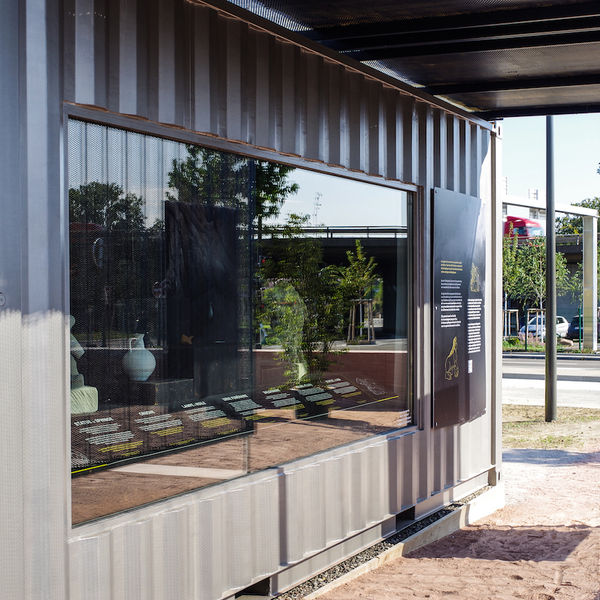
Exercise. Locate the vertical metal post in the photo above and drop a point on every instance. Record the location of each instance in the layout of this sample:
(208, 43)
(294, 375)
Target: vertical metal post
(590, 284)
(254, 250)
(550, 276)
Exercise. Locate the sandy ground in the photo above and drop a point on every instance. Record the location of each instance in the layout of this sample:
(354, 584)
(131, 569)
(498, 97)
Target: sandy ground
(543, 545)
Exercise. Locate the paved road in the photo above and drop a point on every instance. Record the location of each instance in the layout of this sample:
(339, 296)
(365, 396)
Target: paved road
(523, 382)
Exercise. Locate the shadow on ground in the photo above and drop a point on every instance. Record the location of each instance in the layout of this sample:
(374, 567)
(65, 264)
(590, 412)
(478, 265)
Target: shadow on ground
(548, 457)
(508, 544)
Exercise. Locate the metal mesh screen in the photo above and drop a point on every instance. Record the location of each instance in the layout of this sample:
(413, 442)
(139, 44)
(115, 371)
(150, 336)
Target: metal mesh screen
(301, 16)
(159, 274)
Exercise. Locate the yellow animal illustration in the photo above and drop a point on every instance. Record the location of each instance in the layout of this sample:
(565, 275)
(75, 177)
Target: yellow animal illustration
(452, 361)
(475, 279)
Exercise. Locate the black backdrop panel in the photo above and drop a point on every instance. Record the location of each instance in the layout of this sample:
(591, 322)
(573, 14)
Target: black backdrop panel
(459, 310)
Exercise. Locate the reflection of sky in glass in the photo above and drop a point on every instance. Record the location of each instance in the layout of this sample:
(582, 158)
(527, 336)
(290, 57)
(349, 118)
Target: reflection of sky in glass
(140, 164)
(339, 201)
(137, 163)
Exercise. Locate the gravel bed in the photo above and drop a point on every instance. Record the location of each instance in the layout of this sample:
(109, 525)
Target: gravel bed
(313, 584)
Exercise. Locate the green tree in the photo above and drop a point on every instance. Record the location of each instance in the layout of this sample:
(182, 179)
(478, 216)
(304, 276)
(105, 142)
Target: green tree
(574, 225)
(207, 177)
(530, 272)
(272, 187)
(358, 277)
(510, 266)
(218, 178)
(577, 284)
(106, 204)
(306, 302)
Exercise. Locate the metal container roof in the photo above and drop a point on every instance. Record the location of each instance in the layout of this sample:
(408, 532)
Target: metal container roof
(494, 58)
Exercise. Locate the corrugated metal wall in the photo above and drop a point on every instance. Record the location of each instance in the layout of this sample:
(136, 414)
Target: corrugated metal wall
(195, 547)
(12, 486)
(210, 543)
(33, 430)
(191, 67)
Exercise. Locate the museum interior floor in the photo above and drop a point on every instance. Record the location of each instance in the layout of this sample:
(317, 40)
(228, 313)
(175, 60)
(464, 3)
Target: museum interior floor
(277, 439)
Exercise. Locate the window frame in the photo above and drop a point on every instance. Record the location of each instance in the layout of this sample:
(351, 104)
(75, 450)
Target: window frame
(417, 234)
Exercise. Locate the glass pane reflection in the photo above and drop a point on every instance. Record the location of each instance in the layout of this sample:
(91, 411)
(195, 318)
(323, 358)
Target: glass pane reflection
(227, 315)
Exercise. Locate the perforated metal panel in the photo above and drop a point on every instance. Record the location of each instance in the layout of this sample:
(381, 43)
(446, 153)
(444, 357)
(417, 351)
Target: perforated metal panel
(296, 14)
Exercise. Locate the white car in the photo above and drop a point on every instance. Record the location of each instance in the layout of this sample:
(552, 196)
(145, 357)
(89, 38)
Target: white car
(537, 327)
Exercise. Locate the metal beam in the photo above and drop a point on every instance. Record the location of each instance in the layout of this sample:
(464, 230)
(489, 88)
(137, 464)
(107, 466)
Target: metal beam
(505, 85)
(474, 46)
(461, 34)
(533, 111)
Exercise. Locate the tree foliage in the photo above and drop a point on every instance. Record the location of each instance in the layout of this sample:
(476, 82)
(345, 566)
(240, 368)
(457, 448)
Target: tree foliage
(306, 301)
(358, 277)
(218, 178)
(105, 204)
(206, 177)
(510, 267)
(524, 271)
(303, 301)
(572, 224)
(272, 187)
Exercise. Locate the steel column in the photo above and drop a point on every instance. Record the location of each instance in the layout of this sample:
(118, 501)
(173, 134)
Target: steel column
(550, 276)
(590, 283)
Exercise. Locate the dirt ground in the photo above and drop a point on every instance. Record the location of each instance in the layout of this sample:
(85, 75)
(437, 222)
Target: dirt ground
(543, 545)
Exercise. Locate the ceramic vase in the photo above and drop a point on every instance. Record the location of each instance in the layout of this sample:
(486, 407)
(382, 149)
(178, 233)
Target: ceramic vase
(139, 362)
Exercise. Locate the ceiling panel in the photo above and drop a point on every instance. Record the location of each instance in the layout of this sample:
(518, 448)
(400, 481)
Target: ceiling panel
(548, 97)
(499, 65)
(314, 14)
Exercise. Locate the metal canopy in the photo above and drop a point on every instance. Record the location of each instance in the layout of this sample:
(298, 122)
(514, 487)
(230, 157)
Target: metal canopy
(495, 58)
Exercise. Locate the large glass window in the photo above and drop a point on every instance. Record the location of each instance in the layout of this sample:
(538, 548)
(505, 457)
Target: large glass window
(227, 315)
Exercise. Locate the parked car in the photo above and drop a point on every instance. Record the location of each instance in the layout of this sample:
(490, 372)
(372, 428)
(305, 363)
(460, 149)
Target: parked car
(522, 227)
(573, 332)
(537, 327)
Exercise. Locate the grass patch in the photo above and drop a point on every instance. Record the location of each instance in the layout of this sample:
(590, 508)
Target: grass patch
(575, 428)
(558, 441)
(514, 344)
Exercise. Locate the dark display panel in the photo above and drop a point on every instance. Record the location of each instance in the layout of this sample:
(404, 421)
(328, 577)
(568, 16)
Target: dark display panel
(227, 315)
(459, 309)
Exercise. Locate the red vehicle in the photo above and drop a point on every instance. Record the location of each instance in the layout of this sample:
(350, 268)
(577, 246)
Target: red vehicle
(522, 227)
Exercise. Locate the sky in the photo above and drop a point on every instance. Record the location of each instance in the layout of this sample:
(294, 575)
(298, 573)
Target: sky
(364, 204)
(576, 156)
